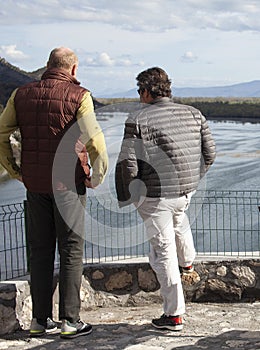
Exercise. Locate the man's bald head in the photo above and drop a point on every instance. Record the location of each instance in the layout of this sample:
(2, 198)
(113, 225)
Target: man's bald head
(62, 57)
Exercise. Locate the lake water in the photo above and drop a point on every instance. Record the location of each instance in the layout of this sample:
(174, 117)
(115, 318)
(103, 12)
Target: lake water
(238, 154)
(236, 166)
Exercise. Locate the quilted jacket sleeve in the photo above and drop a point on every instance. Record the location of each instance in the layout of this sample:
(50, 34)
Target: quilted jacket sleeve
(8, 124)
(208, 147)
(127, 165)
(93, 138)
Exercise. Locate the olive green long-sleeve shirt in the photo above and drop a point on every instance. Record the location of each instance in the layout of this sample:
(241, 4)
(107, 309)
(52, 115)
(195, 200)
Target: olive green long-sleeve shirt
(92, 136)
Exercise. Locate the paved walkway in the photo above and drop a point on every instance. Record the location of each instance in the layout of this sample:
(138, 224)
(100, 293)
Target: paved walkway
(207, 327)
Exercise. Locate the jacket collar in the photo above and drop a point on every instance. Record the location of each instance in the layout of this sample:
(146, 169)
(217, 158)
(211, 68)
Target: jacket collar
(59, 74)
(161, 100)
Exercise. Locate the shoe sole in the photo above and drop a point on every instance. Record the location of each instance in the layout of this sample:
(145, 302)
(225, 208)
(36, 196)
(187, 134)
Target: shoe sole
(187, 273)
(51, 330)
(35, 335)
(40, 334)
(71, 336)
(178, 327)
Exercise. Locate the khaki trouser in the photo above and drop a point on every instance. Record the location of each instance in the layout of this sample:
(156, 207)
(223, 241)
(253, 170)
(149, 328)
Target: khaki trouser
(171, 241)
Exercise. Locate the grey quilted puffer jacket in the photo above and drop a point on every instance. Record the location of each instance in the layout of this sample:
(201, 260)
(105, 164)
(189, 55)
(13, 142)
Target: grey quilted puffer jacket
(166, 149)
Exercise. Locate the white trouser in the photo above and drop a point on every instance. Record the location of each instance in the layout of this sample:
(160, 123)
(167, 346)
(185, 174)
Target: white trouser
(169, 233)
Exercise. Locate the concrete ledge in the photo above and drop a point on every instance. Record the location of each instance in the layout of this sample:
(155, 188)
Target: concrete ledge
(134, 283)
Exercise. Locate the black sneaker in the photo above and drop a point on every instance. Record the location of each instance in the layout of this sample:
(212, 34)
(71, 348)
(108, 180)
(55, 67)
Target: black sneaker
(40, 327)
(73, 330)
(173, 323)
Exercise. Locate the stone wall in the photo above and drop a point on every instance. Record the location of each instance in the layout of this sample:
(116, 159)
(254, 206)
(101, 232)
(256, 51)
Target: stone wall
(135, 284)
(223, 281)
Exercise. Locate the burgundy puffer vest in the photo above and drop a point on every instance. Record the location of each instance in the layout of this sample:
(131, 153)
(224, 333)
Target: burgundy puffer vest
(46, 114)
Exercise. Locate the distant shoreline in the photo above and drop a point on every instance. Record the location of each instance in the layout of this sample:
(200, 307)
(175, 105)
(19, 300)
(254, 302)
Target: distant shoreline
(222, 109)
(216, 108)
(253, 120)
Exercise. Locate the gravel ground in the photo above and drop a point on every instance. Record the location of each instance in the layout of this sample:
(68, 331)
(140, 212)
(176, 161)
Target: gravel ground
(208, 326)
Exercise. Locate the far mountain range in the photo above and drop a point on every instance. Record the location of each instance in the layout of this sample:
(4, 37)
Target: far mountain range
(12, 77)
(241, 90)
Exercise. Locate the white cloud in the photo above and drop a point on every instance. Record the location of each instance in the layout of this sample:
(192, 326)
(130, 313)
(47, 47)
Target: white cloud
(103, 59)
(145, 15)
(188, 57)
(10, 52)
(106, 60)
(117, 39)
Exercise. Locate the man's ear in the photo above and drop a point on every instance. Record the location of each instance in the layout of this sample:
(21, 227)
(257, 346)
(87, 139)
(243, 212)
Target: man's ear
(74, 70)
(146, 96)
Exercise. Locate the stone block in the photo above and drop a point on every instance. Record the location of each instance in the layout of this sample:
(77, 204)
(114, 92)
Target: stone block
(245, 275)
(119, 280)
(147, 280)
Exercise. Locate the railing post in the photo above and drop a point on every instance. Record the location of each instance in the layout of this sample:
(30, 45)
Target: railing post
(26, 234)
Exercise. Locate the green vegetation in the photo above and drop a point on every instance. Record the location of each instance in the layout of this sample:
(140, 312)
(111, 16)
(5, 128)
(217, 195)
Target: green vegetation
(110, 101)
(213, 108)
(225, 108)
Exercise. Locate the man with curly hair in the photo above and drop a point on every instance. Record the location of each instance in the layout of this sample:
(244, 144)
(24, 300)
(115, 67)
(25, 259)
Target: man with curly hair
(166, 149)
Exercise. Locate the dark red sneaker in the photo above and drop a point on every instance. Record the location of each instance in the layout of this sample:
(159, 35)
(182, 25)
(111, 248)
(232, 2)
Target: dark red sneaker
(186, 270)
(173, 323)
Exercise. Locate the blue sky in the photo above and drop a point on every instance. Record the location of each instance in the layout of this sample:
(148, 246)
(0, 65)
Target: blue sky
(198, 42)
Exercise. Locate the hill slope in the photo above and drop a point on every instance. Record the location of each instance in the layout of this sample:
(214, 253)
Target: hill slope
(12, 77)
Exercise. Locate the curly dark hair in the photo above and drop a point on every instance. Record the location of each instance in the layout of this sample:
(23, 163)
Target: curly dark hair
(156, 81)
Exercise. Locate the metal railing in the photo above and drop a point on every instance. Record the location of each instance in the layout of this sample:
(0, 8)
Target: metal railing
(13, 253)
(227, 223)
(224, 223)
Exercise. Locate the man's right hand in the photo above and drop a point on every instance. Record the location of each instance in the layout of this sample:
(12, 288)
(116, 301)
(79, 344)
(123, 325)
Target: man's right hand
(88, 183)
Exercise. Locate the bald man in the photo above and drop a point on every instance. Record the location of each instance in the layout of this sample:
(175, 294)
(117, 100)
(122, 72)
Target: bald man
(55, 115)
